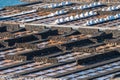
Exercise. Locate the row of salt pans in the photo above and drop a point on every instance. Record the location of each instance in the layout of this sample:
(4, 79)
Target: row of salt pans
(76, 17)
(101, 20)
(60, 12)
(58, 4)
(95, 4)
(21, 13)
(111, 8)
